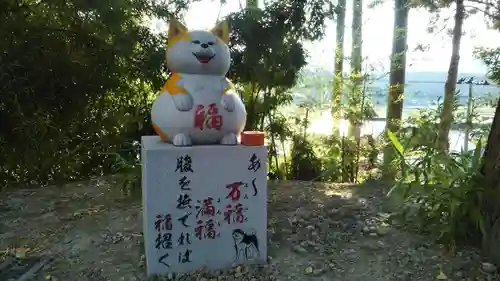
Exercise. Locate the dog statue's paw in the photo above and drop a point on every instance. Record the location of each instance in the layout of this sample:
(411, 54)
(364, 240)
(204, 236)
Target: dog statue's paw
(181, 140)
(183, 102)
(229, 139)
(228, 102)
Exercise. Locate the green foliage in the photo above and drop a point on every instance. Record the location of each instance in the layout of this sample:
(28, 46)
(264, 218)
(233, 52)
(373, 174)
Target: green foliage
(342, 159)
(359, 105)
(423, 126)
(490, 57)
(305, 164)
(267, 66)
(128, 164)
(440, 193)
(278, 132)
(322, 158)
(77, 79)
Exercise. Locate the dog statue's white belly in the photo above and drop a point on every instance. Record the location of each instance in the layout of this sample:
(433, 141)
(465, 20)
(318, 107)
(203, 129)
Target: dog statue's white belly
(206, 91)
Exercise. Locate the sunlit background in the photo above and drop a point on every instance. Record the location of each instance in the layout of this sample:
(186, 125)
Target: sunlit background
(377, 35)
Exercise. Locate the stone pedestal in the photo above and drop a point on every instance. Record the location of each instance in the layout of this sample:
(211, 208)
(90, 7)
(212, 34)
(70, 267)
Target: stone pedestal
(203, 206)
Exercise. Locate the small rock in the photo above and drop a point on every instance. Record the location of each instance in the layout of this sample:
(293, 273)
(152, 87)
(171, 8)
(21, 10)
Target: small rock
(318, 271)
(382, 230)
(354, 227)
(299, 249)
(333, 211)
(489, 267)
(350, 254)
(311, 243)
(374, 246)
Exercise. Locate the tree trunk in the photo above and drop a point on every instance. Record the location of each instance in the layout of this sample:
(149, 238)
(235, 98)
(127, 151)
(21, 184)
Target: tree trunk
(451, 81)
(396, 79)
(339, 67)
(491, 176)
(356, 61)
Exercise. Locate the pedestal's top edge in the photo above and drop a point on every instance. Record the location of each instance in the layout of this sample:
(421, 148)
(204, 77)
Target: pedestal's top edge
(155, 143)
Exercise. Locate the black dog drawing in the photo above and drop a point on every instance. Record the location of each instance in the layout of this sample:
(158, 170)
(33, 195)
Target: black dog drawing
(245, 244)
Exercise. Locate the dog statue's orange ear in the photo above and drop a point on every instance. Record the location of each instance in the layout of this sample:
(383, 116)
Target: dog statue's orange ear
(221, 30)
(176, 31)
(176, 28)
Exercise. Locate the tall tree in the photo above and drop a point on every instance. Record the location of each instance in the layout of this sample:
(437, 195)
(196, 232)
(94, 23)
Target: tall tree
(491, 163)
(397, 77)
(491, 176)
(451, 81)
(339, 65)
(353, 111)
(356, 64)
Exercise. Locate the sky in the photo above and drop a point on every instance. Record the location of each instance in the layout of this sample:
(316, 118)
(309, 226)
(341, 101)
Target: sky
(377, 36)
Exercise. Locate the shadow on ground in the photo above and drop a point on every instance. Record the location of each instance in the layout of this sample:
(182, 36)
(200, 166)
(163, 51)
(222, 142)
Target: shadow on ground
(316, 232)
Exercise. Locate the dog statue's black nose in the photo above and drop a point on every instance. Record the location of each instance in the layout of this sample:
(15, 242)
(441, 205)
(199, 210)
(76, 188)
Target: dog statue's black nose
(204, 45)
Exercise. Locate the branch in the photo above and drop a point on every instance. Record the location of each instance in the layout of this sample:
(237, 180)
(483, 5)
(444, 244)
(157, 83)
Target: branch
(495, 17)
(486, 3)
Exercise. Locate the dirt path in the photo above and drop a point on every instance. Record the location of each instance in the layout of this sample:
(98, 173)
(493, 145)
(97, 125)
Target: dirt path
(316, 232)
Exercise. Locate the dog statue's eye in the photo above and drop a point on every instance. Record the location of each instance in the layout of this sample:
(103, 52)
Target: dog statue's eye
(196, 42)
(210, 43)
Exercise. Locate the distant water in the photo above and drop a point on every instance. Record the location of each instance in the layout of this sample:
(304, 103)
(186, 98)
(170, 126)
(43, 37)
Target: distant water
(422, 89)
(421, 94)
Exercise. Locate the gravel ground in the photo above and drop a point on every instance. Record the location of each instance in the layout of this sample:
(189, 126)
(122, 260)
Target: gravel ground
(316, 232)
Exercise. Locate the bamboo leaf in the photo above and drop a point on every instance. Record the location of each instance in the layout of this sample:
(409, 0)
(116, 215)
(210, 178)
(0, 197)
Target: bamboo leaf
(395, 142)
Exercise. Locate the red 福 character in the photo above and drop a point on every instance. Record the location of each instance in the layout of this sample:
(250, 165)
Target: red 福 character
(210, 229)
(158, 222)
(228, 213)
(240, 217)
(208, 207)
(235, 190)
(199, 230)
(199, 117)
(214, 120)
(168, 222)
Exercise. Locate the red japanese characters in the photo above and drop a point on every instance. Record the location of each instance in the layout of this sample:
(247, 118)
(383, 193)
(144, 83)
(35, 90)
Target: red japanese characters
(208, 119)
(234, 214)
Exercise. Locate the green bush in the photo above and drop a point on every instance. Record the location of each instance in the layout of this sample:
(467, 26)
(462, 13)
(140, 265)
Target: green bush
(440, 193)
(304, 163)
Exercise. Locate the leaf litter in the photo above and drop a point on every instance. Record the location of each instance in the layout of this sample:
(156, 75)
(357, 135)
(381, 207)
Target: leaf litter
(316, 231)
